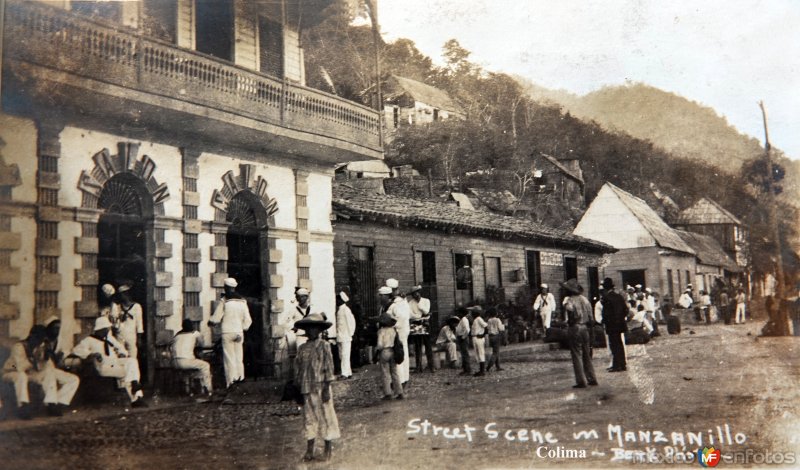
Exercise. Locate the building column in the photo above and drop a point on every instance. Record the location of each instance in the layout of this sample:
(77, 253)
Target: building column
(48, 214)
(9, 242)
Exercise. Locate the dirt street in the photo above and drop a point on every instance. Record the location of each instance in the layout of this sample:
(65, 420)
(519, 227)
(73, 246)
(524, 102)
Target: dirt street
(719, 387)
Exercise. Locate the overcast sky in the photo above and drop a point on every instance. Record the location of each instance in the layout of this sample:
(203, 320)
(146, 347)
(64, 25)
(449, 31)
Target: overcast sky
(723, 54)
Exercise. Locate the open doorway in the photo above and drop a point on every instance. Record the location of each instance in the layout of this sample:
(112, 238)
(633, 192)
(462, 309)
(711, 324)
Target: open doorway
(123, 232)
(247, 252)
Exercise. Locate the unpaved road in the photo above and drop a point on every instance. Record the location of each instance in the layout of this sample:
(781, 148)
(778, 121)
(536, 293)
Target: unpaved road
(720, 384)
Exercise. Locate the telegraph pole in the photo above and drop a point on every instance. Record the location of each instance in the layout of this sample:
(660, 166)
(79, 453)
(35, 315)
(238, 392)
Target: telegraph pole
(372, 9)
(776, 235)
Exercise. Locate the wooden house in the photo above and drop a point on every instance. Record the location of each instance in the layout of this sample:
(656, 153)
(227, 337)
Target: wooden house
(712, 263)
(708, 217)
(651, 253)
(458, 255)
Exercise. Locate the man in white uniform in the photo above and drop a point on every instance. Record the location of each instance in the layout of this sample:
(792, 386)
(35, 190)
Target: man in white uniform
(130, 317)
(345, 329)
(111, 359)
(233, 314)
(302, 308)
(183, 346)
(401, 312)
(544, 305)
(420, 323)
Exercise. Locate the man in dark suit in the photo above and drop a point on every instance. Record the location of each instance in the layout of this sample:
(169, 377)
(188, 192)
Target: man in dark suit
(614, 318)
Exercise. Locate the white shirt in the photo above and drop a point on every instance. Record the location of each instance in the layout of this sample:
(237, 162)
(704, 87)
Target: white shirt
(446, 335)
(386, 337)
(234, 315)
(345, 324)
(419, 308)
(545, 305)
(478, 326)
(91, 345)
(401, 312)
(183, 344)
(128, 327)
(598, 312)
(685, 300)
(494, 326)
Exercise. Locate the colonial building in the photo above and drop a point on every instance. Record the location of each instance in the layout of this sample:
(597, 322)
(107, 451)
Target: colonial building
(457, 255)
(171, 143)
(650, 252)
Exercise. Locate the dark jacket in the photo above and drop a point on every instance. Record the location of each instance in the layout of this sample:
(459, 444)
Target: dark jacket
(615, 311)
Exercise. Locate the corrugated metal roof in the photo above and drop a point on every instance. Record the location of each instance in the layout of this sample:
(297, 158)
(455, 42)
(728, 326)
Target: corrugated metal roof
(708, 250)
(664, 235)
(707, 211)
(351, 203)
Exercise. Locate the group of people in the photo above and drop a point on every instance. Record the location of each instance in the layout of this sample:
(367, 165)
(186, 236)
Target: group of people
(731, 303)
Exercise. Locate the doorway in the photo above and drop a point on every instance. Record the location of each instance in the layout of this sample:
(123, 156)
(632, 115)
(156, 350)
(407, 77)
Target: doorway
(123, 232)
(633, 277)
(247, 245)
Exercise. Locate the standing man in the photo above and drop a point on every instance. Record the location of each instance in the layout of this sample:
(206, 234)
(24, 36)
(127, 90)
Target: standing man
(234, 315)
(544, 306)
(724, 302)
(302, 309)
(387, 331)
(345, 329)
(740, 302)
(462, 340)
(615, 311)
(478, 333)
(579, 319)
(130, 318)
(420, 321)
(401, 312)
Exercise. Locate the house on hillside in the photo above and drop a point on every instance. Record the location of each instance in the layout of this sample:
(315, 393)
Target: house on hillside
(172, 144)
(562, 177)
(650, 252)
(712, 263)
(407, 101)
(708, 217)
(457, 255)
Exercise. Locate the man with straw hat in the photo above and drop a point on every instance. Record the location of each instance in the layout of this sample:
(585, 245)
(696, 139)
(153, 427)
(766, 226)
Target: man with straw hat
(234, 315)
(313, 374)
(579, 319)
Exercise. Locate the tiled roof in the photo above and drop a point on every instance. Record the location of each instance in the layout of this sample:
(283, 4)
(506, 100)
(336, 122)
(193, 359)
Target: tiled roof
(421, 92)
(503, 201)
(664, 235)
(707, 211)
(709, 251)
(350, 203)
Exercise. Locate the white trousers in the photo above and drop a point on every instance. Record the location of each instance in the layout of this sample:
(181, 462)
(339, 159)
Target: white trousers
(480, 348)
(233, 357)
(739, 313)
(203, 369)
(344, 355)
(124, 369)
(546, 319)
(403, 369)
(59, 386)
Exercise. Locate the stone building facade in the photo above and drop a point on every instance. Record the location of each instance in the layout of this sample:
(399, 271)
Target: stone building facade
(136, 150)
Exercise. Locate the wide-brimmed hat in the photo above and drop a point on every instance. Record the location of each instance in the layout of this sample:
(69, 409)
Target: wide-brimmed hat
(415, 289)
(608, 283)
(314, 319)
(453, 319)
(475, 308)
(572, 286)
(386, 320)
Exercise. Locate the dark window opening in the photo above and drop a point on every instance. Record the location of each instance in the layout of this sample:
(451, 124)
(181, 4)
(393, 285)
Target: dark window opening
(435, 114)
(533, 264)
(670, 287)
(396, 116)
(426, 277)
(570, 268)
(270, 34)
(214, 33)
(688, 278)
(593, 278)
(633, 277)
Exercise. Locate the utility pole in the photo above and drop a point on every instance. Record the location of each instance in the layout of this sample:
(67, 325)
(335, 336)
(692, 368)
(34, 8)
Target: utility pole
(780, 319)
(372, 8)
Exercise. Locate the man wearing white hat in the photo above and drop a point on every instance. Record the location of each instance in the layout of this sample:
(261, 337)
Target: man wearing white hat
(401, 312)
(345, 329)
(131, 320)
(302, 308)
(111, 359)
(544, 305)
(233, 314)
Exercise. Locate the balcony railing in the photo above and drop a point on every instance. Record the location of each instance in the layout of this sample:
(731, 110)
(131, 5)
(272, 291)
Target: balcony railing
(63, 41)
